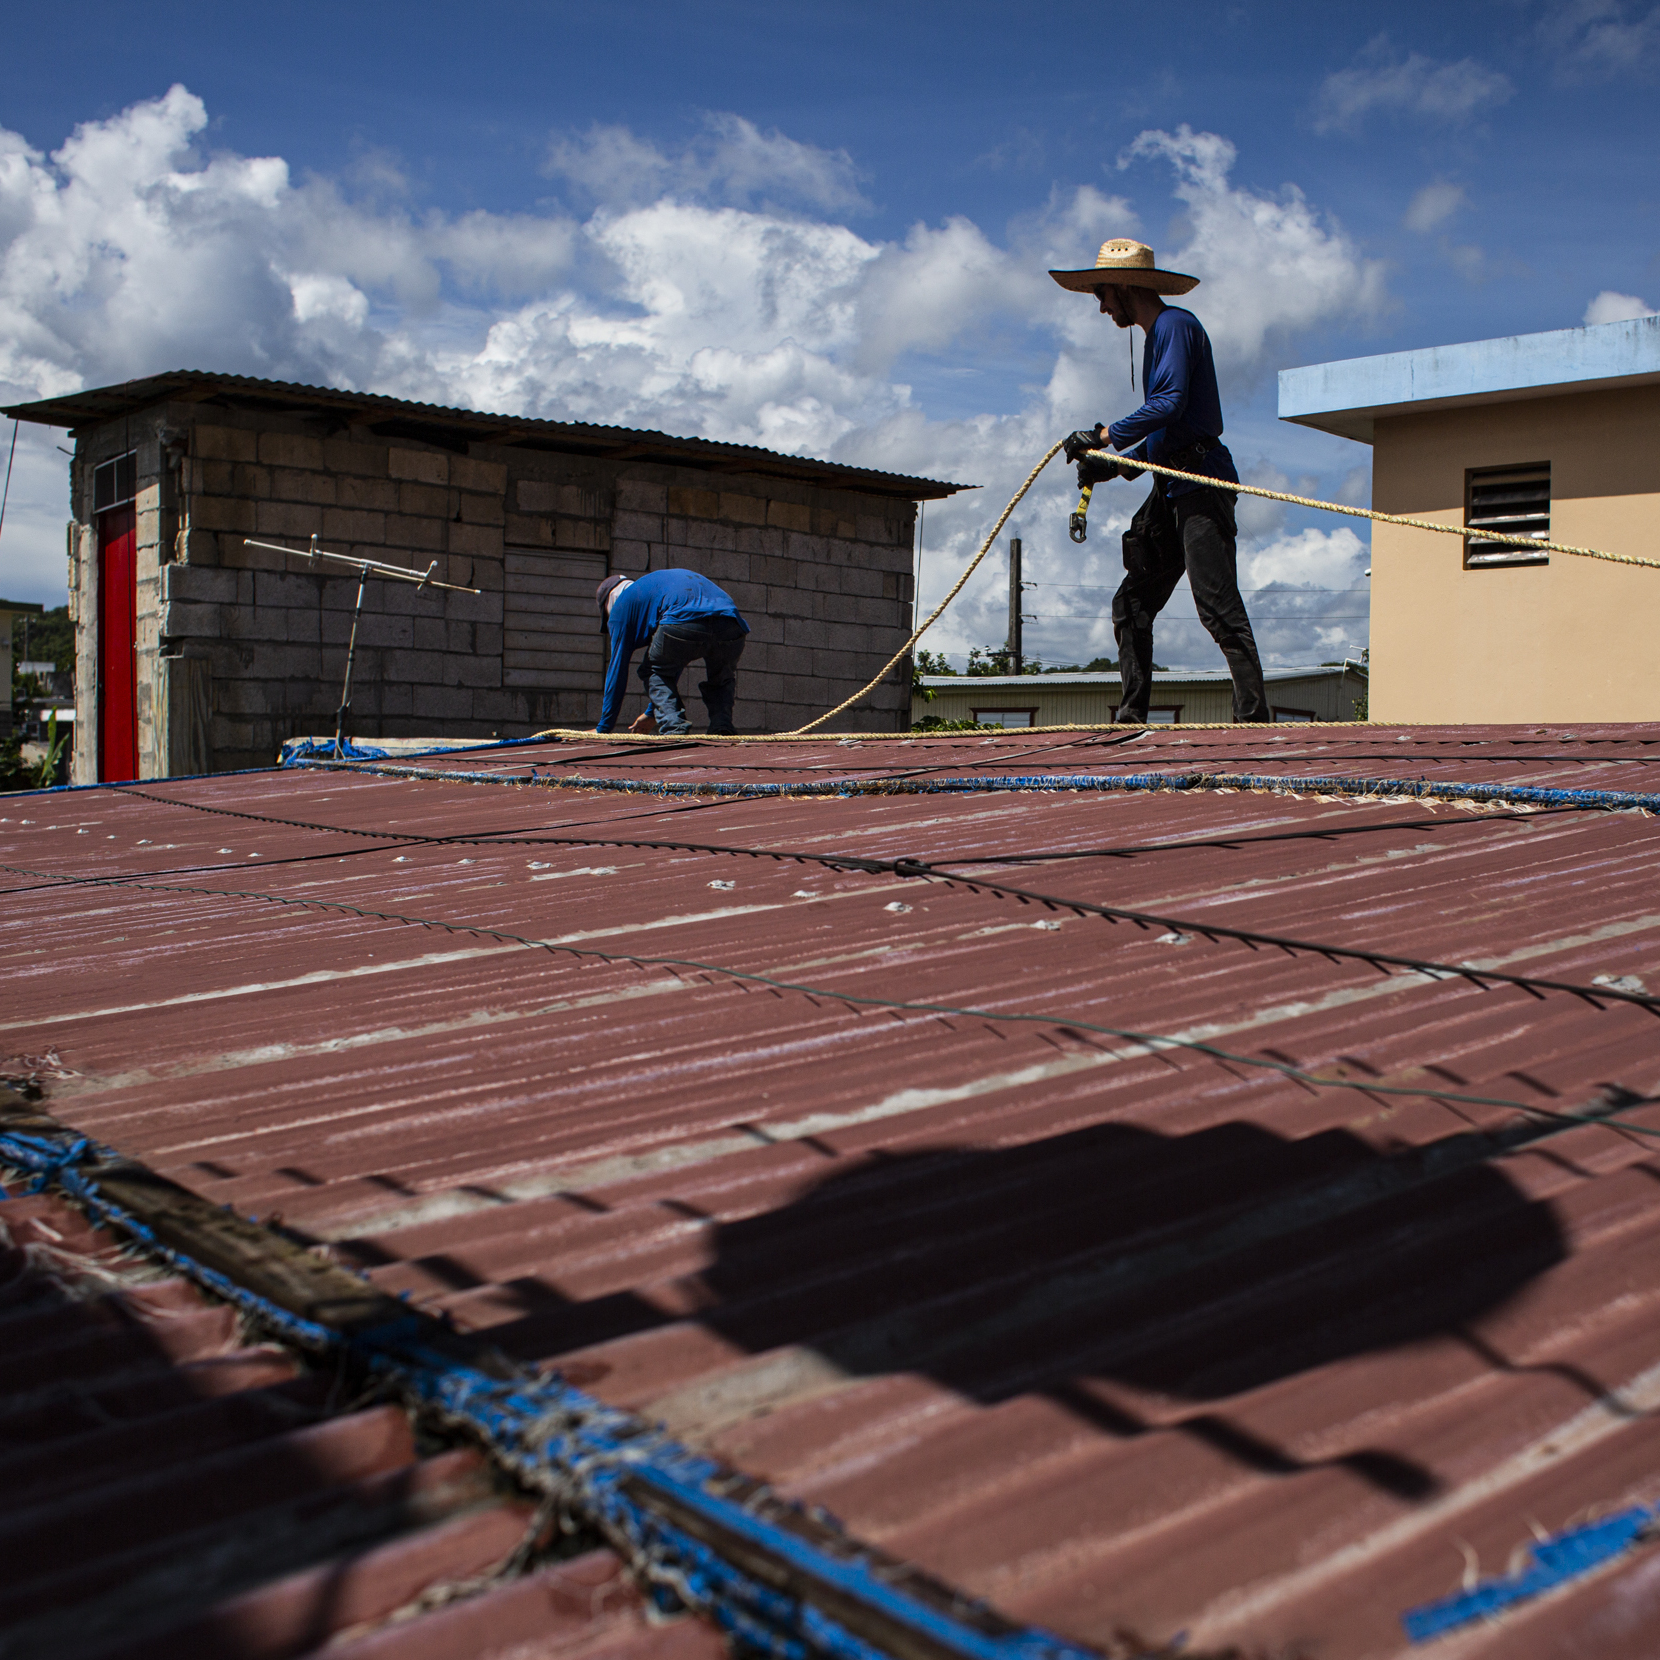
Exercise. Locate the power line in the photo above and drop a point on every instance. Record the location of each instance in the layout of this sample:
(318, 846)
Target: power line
(5, 495)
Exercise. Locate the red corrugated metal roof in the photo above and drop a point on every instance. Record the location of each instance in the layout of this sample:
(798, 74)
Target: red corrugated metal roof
(1119, 1337)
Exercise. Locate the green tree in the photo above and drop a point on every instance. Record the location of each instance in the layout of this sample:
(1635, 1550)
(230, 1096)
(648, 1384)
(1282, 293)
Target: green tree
(927, 662)
(47, 639)
(1000, 661)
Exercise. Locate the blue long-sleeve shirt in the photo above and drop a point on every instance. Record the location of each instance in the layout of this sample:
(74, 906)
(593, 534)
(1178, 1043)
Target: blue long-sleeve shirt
(1178, 378)
(641, 608)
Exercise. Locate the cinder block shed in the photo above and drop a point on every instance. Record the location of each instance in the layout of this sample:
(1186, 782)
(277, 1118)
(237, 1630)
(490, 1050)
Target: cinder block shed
(196, 653)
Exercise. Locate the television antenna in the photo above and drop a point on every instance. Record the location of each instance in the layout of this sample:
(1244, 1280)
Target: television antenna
(365, 569)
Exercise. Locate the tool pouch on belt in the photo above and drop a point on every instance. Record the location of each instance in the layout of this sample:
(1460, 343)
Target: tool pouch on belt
(1185, 461)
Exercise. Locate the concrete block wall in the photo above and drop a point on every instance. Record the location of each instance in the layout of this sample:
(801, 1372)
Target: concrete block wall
(823, 577)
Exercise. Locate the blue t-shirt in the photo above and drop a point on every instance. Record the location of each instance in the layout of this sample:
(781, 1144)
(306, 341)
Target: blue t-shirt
(1183, 405)
(641, 608)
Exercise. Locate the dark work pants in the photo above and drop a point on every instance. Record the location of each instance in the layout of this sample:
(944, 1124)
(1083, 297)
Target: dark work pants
(1194, 534)
(719, 641)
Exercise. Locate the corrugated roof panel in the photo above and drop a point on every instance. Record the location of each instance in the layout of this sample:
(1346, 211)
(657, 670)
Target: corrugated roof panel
(438, 423)
(875, 1185)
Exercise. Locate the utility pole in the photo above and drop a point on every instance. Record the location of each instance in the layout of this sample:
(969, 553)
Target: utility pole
(1014, 606)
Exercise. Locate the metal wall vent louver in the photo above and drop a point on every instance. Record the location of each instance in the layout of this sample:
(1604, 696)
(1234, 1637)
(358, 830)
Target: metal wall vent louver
(1514, 501)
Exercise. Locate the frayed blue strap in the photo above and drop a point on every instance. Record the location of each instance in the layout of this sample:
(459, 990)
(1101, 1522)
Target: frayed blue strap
(296, 750)
(44, 1160)
(1532, 795)
(1555, 1561)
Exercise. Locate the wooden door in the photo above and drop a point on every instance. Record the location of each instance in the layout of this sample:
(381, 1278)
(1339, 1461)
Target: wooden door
(551, 640)
(117, 644)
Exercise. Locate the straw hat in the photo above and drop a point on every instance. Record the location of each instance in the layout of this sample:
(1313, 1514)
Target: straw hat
(1126, 264)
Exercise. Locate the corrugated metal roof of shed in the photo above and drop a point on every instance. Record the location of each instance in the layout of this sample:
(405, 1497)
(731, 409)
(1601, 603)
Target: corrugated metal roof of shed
(405, 418)
(1114, 1338)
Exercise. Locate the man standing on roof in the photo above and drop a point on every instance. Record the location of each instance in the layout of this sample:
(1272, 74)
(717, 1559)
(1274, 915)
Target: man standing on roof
(1181, 526)
(678, 616)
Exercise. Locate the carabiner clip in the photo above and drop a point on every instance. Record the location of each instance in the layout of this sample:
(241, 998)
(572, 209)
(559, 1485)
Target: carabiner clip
(1077, 526)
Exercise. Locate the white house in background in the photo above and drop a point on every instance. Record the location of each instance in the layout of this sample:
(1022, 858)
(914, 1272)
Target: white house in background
(1180, 696)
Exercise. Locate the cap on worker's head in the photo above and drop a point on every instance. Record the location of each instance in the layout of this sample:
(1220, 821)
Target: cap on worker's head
(1125, 264)
(604, 591)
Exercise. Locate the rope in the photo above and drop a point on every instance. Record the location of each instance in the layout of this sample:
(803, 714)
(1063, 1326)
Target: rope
(1475, 532)
(934, 615)
(1363, 789)
(1465, 531)
(5, 495)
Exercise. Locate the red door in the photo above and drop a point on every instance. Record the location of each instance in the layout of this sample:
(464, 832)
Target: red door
(117, 654)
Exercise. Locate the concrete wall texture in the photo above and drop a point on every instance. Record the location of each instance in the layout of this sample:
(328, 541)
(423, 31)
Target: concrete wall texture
(1569, 640)
(240, 648)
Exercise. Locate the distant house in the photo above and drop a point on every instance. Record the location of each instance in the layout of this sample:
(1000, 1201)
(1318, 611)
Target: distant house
(197, 654)
(1552, 436)
(1180, 697)
(10, 608)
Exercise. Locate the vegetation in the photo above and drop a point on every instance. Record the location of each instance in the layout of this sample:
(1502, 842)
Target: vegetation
(16, 773)
(938, 723)
(1096, 665)
(47, 639)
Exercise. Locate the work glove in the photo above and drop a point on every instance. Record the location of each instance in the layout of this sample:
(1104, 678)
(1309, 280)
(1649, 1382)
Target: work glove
(1097, 469)
(1082, 440)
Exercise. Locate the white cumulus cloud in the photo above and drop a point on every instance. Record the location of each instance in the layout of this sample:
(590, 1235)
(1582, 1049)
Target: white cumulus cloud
(1271, 265)
(713, 290)
(1610, 307)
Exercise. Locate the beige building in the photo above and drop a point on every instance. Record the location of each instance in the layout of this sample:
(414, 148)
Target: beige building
(1180, 697)
(1552, 436)
(197, 653)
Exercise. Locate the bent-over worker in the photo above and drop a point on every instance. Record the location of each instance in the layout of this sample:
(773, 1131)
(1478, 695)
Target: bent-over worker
(1181, 526)
(678, 616)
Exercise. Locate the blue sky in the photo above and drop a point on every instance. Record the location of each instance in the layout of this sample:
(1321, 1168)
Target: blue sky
(822, 229)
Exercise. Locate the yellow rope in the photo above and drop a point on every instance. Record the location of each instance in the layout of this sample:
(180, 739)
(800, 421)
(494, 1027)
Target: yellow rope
(934, 615)
(1466, 531)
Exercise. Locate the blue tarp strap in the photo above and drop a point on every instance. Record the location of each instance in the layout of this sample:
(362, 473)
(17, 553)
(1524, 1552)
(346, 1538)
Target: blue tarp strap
(1554, 1561)
(1531, 795)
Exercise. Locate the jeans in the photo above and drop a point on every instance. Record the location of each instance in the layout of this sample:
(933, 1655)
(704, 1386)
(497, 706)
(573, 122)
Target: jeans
(719, 641)
(1194, 534)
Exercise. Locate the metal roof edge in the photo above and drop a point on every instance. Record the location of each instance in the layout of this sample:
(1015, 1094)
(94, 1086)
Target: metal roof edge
(1164, 677)
(1345, 397)
(101, 403)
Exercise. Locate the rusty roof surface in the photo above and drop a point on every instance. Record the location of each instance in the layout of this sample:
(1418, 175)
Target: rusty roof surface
(450, 428)
(174, 1488)
(1135, 1275)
